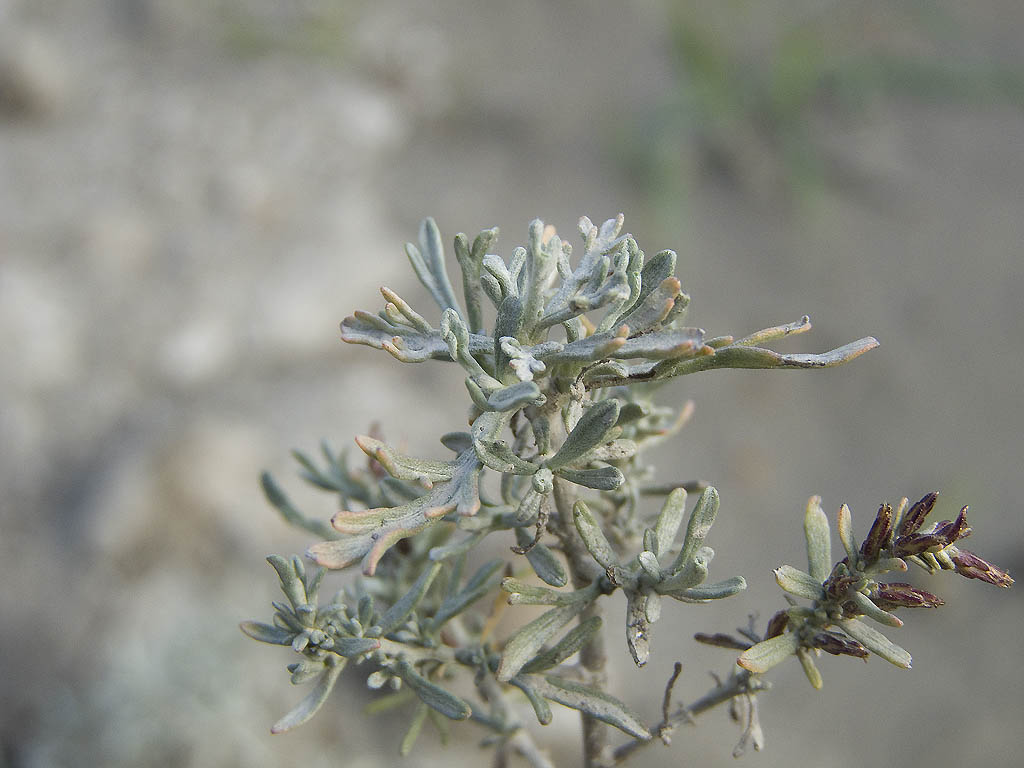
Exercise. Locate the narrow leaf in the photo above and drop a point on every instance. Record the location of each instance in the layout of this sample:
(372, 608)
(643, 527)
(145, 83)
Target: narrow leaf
(810, 669)
(406, 604)
(593, 537)
(543, 560)
(669, 519)
(844, 523)
(819, 544)
(606, 478)
(353, 646)
(415, 726)
(876, 642)
(763, 656)
(309, 705)
(433, 695)
(798, 583)
(573, 641)
(589, 432)
(267, 633)
(541, 708)
(597, 704)
(701, 519)
(525, 643)
(872, 611)
(718, 590)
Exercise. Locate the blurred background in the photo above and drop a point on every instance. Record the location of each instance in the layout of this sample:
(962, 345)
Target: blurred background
(193, 194)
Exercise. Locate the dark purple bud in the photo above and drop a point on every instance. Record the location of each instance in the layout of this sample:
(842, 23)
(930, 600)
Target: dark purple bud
(954, 529)
(722, 640)
(776, 625)
(973, 567)
(899, 595)
(913, 519)
(916, 543)
(838, 584)
(838, 645)
(879, 534)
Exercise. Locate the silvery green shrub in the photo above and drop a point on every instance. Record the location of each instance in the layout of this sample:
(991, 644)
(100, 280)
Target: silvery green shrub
(561, 418)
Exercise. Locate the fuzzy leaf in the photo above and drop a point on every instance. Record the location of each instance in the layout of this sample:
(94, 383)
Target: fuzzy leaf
(415, 726)
(763, 656)
(541, 708)
(876, 642)
(396, 615)
(483, 581)
(425, 471)
(653, 308)
(599, 478)
(810, 669)
(590, 431)
(521, 593)
(798, 583)
(593, 537)
(701, 519)
(597, 704)
(431, 694)
(872, 611)
(525, 643)
(514, 397)
(844, 524)
(267, 633)
(372, 532)
(718, 590)
(354, 646)
(669, 520)
(574, 640)
(544, 562)
(309, 705)
(428, 263)
(819, 544)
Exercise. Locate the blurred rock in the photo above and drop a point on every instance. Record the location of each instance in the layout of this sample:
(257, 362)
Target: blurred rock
(33, 74)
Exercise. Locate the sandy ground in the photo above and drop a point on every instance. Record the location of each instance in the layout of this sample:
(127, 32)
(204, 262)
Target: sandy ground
(193, 194)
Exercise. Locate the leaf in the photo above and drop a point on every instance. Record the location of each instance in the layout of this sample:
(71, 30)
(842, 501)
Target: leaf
(574, 640)
(761, 657)
(600, 478)
(872, 611)
(593, 537)
(514, 397)
(525, 643)
(428, 263)
(424, 471)
(483, 581)
(590, 431)
(354, 646)
(280, 502)
(701, 519)
(718, 590)
(876, 642)
(372, 532)
(267, 633)
(810, 669)
(396, 615)
(669, 520)
(431, 694)
(415, 726)
(521, 593)
(798, 583)
(541, 708)
(844, 524)
(654, 307)
(309, 705)
(598, 704)
(819, 544)
(544, 562)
